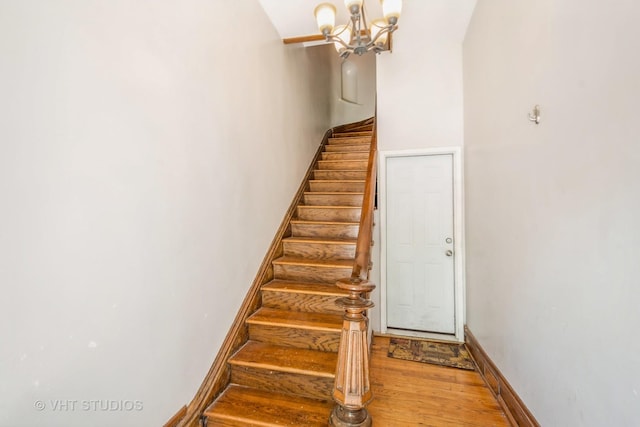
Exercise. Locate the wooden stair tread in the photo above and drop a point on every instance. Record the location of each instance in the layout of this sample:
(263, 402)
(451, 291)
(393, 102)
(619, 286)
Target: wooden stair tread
(317, 222)
(343, 161)
(345, 155)
(311, 288)
(355, 142)
(345, 181)
(354, 139)
(348, 134)
(333, 193)
(286, 359)
(296, 319)
(345, 148)
(333, 197)
(329, 263)
(322, 174)
(348, 143)
(346, 152)
(338, 170)
(323, 240)
(252, 407)
(327, 207)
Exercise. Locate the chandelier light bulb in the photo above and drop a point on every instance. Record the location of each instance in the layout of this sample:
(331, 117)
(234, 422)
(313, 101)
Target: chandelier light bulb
(391, 9)
(353, 6)
(376, 32)
(325, 17)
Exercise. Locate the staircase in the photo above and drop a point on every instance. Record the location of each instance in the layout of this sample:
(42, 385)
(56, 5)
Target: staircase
(284, 374)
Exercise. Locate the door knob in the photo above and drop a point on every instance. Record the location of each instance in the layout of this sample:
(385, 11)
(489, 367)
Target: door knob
(449, 252)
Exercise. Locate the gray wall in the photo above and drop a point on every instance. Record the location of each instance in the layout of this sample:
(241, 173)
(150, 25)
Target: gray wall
(148, 151)
(553, 211)
(343, 112)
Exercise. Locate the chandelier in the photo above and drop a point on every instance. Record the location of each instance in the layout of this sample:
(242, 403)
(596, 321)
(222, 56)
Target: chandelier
(357, 36)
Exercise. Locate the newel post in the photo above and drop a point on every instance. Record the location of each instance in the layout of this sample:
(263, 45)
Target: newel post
(352, 389)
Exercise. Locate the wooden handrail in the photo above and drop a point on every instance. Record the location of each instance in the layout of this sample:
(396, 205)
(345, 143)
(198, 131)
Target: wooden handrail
(362, 262)
(352, 388)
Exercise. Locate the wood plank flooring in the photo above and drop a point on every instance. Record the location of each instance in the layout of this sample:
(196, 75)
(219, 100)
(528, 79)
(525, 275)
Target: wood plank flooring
(420, 394)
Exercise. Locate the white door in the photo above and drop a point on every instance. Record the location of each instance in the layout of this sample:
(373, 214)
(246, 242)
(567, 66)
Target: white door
(420, 258)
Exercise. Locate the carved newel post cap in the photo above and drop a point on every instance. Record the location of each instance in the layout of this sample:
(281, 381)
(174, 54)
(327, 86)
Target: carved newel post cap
(356, 285)
(354, 303)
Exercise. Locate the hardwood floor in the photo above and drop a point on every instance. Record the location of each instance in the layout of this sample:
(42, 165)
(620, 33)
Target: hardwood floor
(420, 394)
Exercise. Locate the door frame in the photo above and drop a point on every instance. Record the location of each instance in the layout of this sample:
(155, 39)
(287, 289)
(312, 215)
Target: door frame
(458, 239)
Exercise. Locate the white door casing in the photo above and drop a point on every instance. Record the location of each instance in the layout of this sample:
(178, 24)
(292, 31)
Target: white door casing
(422, 284)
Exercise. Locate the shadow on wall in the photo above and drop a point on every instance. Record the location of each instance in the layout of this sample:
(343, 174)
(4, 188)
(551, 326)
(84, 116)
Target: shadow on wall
(353, 84)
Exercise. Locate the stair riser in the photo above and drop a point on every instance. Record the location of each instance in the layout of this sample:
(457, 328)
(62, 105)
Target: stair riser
(300, 338)
(345, 147)
(301, 302)
(344, 165)
(328, 214)
(307, 273)
(333, 199)
(320, 250)
(283, 382)
(332, 174)
(351, 140)
(354, 187)
(356, 155)
(321, 230)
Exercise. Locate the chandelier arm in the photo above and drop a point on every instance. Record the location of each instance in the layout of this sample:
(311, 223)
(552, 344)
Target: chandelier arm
(364, 20)
(336, 39)
(375, 48)
(355, 22)
(386, 30)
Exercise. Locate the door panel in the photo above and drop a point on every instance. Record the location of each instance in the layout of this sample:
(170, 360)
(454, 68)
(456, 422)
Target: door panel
(420, 275)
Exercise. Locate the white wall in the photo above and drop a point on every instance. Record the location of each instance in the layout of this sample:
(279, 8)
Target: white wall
(420, 82)
(343, 112)
(148, 151)
(553, 211)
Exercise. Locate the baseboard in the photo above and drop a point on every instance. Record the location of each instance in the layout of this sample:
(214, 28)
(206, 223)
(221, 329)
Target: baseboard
(517, 412)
